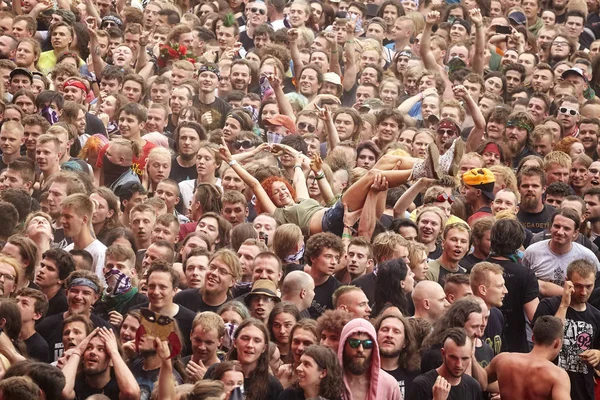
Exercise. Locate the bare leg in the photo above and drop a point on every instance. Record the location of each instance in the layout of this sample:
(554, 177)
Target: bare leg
(356, 194)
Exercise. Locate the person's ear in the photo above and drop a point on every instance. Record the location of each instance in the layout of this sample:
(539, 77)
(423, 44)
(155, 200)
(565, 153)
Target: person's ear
(302, 293)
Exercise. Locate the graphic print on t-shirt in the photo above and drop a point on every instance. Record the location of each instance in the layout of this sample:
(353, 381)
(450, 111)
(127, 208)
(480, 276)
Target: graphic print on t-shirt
(578, 338)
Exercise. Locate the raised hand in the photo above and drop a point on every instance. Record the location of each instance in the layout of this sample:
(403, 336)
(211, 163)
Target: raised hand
(195, 371)
(224, 151)
(476, 16)
(441, 388)
(432, 18)
(115, 318)
(162, 349)
(567, 292)
(324, 113)
(380, 183)
(292, 35)
(351, 217)
(316, 164)
(110, 341)
(460, 92)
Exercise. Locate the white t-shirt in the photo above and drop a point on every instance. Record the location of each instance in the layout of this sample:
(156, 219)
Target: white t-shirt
(551, 267)
(187, 189)
(98, 251)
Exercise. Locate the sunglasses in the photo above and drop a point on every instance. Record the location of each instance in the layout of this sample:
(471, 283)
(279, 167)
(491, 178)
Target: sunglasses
(260, 11)
(448, 132)
(442, 197)
(310, 128)
(246, 144)
(570, 111)
(367, 344)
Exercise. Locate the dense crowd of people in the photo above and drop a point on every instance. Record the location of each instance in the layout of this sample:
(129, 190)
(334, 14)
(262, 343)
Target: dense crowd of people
(263, 200)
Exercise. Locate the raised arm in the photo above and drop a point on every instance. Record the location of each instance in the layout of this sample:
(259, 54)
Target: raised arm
(410, 195)
(97, 61)
(166, 382)
(316, 165)
(295, 52)
(350, 67)
(334, 60)
(283, 103)
(72, 365)
(248, 179)
(369, 217)
(93, 11)
(476, 135)
(478, 59)
(333, 139)
(432, 18)
(565, 301)
(128, 386)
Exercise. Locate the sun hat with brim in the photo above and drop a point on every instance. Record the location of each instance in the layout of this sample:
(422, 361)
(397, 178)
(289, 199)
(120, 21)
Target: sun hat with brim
(262, 287)
(482, 179)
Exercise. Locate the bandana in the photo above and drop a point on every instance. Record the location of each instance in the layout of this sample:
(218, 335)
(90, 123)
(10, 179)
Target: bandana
(405, 53)
(50, 115)
(253, 111)
(112, 18)
(519, 124)
(117, 283)
(209, 68)
(75, 83)
(84, 282)
(446, 124)
(295, 257)
(228, 337)
(492, 148)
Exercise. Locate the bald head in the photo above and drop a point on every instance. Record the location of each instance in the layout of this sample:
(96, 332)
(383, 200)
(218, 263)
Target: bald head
(430, 300)
(299, 288)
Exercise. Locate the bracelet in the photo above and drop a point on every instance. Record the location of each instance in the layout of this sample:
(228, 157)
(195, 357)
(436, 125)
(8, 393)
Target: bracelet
(76, 354)
(346, 236)
(350, 41)
(320, 176)
(232, 163)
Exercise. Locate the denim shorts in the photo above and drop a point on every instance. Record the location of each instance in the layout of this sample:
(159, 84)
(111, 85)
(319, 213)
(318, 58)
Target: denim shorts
(333, 219)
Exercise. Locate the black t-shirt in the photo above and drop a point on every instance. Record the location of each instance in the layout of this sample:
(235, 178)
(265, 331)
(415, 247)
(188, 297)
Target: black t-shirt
(103, 307)
(494, 330)
(58, 304)
(180, 174)
(581, 333)
(536, 222)
(431, 358)
(292, 393)
(444, 273)
(60, 240)
(51, 330)
(247, 42)
(323, 297)
(469, 261)
(192, 300)
(484, 355)
(37, 348)
(435, 254)
(83, 391)
(422, 388)
(94, 125)
(404, 379)
(522, 288)
(275, 388)
(218, 109)
(367, 284)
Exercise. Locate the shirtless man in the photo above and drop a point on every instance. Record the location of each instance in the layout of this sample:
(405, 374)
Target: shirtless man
(543, 379)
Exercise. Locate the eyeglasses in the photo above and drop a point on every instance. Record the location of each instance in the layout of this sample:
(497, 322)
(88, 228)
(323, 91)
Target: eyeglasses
(260, 11)
(560, 44)
(448, 132)
(442, 197)
(570, 111)
(367, 344)
(310, 128)
(7, 277)
(246, 144)
(220, 271)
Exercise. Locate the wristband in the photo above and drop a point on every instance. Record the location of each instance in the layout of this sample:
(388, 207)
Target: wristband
(76, 354)
(346, 236)
(232, 163)
(320, 176)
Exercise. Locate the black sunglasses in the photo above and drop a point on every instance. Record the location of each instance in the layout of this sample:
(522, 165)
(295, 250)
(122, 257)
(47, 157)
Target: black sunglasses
(367, 344)
(246, 144)
(310, 128)
(258, 10)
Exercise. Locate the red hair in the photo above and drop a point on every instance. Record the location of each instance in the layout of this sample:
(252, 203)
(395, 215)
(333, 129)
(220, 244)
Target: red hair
(267, 185)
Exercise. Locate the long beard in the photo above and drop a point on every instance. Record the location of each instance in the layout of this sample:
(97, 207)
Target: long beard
(357, 367)
(529, 202)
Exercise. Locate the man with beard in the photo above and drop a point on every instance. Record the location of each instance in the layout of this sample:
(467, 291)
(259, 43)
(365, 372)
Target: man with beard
(224, 270)
(548, 258)
(84, 289)
(581, 321)
(518, 134)
(358, 355)
(449, 381)
(188, 137)
(398, 350)
(181, 97)
(542, 78)
(455, 244)
(8, 47)
(533, 213)
(103, 370)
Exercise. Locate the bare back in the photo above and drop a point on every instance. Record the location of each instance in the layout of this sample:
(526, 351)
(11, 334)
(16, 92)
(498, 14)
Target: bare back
(525, 377)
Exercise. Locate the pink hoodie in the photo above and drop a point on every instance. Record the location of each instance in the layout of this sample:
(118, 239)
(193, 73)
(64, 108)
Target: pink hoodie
(383, 385)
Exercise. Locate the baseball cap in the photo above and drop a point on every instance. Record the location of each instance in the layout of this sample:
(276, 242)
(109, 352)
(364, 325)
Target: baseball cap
(464, 23)
(263, 287)
(21, 71)
(482, 179)
(574, 70)
(517, 17)
(332, 77)
(282, 120)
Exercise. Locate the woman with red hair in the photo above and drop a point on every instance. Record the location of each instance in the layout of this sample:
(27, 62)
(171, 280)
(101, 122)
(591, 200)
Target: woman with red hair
(292, 204)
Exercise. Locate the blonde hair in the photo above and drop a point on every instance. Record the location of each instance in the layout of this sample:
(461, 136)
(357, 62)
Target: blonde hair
(557, 157)
(286, 239)
(209, 320)
(6, 259)
(385, 244)
(480, 274)
(506, 175)
(231, 259)
(80, 203)
(159, 152)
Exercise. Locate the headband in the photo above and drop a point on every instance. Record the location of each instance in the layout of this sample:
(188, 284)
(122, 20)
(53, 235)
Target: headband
(75, 83)
(209, 68)
(112, 18)
(492, 148)
(405, 53)
(447, 124)
(237, 118)
(520, 124)
(84, 282)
